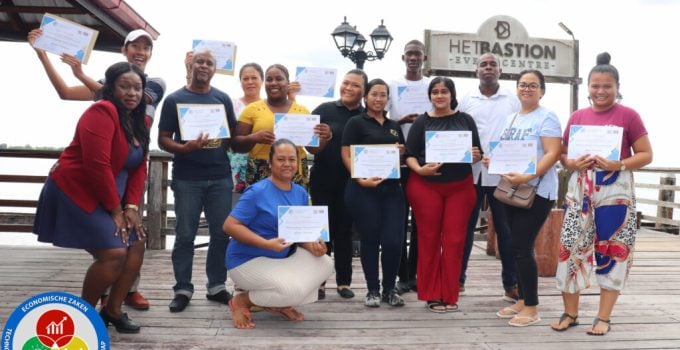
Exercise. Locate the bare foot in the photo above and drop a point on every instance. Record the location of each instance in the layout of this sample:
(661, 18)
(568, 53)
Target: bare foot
(240, 316)
(289, 313)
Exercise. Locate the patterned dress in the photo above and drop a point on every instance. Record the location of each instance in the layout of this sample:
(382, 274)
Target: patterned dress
(598, 230)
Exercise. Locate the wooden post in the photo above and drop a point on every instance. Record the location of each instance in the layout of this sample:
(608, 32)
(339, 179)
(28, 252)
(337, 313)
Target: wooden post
(547, 246)
(491, 243)
(665, 196)
(155, 205)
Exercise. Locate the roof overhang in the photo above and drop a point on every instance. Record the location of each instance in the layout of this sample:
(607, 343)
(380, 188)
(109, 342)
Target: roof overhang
(112, 18)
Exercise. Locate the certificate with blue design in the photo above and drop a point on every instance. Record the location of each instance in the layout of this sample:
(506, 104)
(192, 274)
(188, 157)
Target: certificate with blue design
(512, 156)
(298, 128)
(61, 36)
(197, 119)
(299, 224)
(413, 99)
(448, 146)
(374, 161)
(595, 140)
(319, 82)
(224, 52)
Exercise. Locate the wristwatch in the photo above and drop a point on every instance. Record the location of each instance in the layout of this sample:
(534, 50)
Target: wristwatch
(623, 166)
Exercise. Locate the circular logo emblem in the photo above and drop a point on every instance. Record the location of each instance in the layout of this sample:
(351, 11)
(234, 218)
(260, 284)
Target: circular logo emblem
(55, 320)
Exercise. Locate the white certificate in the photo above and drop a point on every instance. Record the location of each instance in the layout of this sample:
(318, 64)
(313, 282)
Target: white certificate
(196, 119)
(303, 223)
(375, 161)
(298, 128)
(224, 52)
(512, 157)
(60, 36)
(314, 81)
(448, 146)
(413, 99)
(602, 141)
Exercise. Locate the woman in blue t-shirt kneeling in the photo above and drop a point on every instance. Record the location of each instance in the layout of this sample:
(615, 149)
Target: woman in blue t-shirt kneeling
(272, 273)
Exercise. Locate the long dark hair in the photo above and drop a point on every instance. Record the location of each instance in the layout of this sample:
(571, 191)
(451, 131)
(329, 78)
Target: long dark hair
(136, 129)
(448, 83)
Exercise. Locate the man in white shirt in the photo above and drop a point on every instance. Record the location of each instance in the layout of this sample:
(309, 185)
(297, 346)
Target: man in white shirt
(489, 106)
(408, 100)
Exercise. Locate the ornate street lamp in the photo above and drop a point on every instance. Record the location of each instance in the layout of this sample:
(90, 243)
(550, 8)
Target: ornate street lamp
(351, 43)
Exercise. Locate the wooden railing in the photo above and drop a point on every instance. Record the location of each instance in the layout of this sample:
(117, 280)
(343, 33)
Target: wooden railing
(156, 206)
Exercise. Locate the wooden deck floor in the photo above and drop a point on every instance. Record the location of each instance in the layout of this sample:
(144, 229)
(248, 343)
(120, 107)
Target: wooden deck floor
(647, 315)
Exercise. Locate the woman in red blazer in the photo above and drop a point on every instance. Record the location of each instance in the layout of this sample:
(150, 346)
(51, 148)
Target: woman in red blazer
(91, 196)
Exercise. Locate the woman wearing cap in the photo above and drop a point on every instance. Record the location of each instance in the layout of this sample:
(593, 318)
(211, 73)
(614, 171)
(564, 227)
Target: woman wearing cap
(137, 50)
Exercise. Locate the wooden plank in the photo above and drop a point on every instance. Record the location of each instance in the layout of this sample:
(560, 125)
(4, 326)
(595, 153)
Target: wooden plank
(647, 314)
(660, 220)
(23, 178)
(18, 203)
(658, 203)
(657, 186)
(16, 228)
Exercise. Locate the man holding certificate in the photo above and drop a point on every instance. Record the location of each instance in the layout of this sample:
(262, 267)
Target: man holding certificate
(489, 105)
(201, 175)
(441, 193)
(269, 270)
(409, 100)
(600, 216)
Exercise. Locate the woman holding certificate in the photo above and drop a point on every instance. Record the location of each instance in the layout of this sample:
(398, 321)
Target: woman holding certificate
(600, 203)
(254, 131)
(441, 193)
(271, 272)
(535, 124)
(372, 200)
(90, 198)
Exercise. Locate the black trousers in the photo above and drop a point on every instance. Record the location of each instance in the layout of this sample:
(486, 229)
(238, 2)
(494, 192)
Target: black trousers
(409, 253)
(332, 194)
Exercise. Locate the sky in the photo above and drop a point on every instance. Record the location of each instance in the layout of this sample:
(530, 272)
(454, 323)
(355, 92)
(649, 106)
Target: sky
(639, 35)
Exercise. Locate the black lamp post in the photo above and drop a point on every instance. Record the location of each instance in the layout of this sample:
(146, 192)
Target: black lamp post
(351, 43)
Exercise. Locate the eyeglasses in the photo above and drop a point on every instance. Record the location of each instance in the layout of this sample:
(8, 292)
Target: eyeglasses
(530, 87)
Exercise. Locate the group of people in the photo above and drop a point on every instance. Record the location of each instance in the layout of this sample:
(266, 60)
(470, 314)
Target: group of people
(101, 213)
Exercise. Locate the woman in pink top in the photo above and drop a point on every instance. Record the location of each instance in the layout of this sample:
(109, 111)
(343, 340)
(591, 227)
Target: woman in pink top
(599, 216)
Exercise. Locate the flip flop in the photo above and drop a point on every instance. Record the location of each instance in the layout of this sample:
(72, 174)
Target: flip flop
(574, 322)
(595, 322)
(506, 312)
(531, 320)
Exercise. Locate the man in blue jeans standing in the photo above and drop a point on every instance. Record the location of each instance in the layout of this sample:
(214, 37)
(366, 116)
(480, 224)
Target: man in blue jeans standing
(201, 182)
(489, 106)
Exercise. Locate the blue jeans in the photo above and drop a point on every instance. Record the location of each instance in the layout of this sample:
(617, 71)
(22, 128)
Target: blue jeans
(503, 236)
(213, 197)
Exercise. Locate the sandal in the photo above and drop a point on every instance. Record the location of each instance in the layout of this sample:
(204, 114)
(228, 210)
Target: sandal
(523, 321)
(436, 306)
(507, 312)
(574, 322)
(451, 307)
(595, 322)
